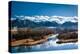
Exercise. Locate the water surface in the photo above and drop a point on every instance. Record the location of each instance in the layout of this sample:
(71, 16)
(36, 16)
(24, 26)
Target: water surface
(46, 46)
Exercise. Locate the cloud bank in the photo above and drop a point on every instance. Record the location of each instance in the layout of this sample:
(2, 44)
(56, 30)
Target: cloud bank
(58, 19)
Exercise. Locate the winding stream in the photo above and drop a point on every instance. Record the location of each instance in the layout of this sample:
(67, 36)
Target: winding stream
(47, 46)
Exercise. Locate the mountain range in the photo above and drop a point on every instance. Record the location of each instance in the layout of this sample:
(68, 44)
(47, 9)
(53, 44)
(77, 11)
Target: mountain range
(45, 21)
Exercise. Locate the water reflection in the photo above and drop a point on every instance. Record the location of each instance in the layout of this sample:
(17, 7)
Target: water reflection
(48, 45)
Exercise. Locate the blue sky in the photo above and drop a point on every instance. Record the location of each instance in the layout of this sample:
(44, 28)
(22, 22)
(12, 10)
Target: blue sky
(32, 9)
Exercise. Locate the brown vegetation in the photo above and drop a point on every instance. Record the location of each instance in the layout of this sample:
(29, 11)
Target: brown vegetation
(68, 37)
(27, 36)
(22, 33)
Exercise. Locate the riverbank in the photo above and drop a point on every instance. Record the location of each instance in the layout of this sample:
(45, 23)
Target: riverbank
(28, 42)
(67, 37)
(67, 41)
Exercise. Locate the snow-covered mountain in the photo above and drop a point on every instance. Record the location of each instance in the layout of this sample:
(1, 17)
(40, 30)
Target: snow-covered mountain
(57, 19)
(45, 21)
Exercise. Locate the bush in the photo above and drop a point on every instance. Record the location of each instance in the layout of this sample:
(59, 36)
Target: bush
(70, 35)
(25, 33)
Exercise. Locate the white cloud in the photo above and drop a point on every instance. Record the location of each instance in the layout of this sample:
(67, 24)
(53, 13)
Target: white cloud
(58, 19)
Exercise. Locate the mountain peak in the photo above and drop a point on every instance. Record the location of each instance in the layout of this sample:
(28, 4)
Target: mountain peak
(57, 19)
